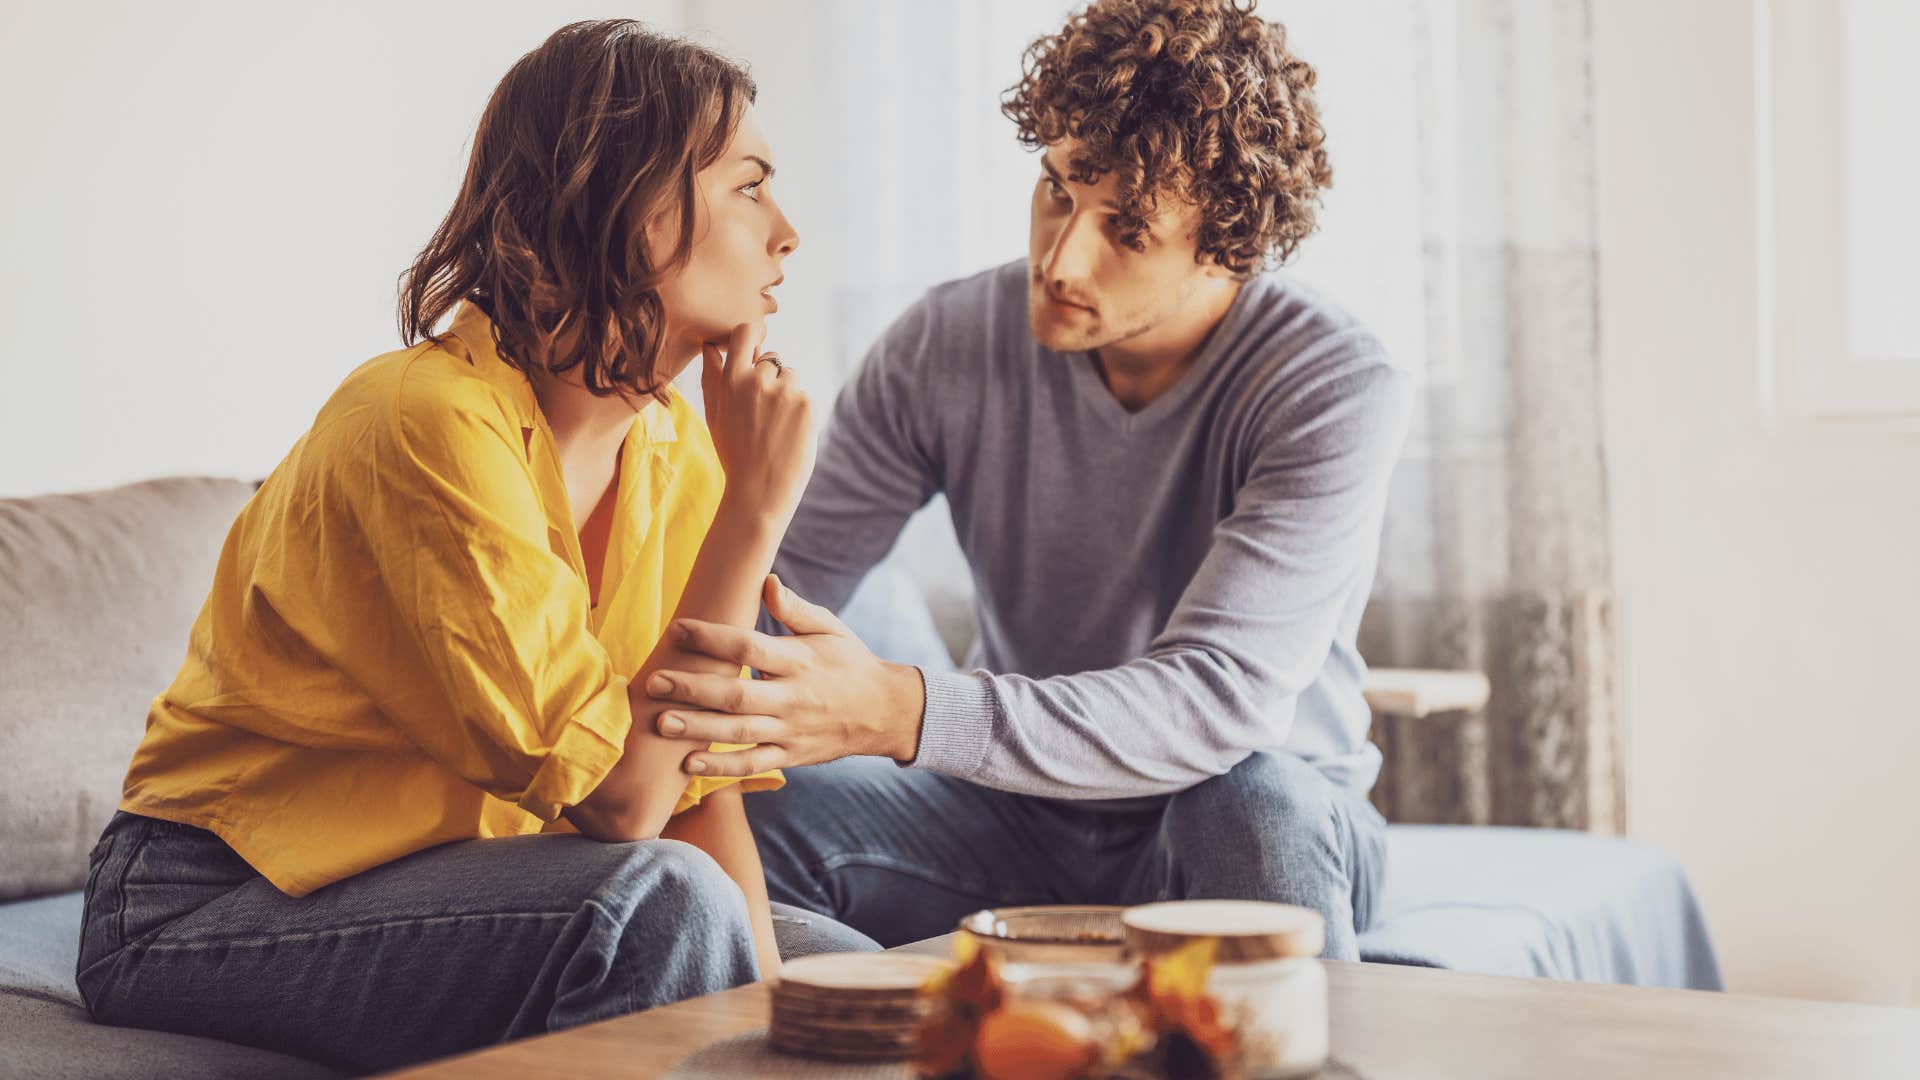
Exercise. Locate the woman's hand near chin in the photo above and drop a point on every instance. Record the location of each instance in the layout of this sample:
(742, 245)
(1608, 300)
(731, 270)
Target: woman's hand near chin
(762, 427)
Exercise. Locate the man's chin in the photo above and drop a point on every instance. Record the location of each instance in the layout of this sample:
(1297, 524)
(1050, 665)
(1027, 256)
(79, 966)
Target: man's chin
(1058, 336)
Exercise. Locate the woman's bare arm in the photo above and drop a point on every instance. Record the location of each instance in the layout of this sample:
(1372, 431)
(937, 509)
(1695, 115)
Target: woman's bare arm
(718, 826)
(762, 429)
(637, 797)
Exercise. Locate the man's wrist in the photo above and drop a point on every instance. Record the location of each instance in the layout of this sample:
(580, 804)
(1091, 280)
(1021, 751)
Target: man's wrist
(906, 707)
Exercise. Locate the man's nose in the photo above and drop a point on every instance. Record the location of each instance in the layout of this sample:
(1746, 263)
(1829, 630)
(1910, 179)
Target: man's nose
(1071, 258)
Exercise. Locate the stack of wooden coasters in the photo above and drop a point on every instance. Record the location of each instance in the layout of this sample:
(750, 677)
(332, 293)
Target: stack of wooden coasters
(850, 1006)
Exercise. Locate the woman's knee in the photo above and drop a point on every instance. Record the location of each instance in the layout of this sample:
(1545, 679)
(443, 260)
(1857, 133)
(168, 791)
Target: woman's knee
(666, 923)
(681, 888)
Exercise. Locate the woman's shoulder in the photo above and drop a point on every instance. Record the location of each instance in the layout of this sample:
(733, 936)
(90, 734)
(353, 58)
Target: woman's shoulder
(430, 395)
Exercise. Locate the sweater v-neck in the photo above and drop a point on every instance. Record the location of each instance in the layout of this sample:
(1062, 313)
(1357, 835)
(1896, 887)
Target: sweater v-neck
(1092, 388)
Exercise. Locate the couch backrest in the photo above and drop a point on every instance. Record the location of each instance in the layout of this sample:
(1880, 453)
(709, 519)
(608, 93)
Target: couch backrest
(97, 594)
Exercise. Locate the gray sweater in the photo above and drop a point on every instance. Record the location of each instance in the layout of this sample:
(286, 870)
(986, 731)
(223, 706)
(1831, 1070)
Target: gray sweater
(1159, 593)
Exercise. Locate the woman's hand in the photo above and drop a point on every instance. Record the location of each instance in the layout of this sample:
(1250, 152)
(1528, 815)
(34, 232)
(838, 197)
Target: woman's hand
(762, 427)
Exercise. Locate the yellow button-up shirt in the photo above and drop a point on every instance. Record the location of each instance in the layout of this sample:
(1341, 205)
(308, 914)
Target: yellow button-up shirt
(400, 648)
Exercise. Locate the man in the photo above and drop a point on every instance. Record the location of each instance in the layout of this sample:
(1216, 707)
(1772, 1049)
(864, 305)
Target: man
(1167, 467)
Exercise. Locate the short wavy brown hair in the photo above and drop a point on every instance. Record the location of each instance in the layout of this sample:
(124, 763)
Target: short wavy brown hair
(603, 125)
(1198, 99)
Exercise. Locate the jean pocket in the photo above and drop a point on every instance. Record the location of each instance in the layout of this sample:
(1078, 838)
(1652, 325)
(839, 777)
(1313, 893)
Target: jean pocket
(102, 851)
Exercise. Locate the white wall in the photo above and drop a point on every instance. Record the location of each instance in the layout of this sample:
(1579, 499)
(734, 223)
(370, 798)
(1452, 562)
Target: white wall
(1769, 571)
(204, 207)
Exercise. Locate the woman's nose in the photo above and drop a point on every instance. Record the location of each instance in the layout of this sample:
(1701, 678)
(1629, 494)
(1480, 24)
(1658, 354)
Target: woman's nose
(785, 238)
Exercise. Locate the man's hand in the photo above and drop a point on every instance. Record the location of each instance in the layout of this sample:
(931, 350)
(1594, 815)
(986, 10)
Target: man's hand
(823, 694)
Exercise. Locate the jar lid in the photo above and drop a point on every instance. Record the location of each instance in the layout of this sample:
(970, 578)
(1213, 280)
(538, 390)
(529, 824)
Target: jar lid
(1248, 930)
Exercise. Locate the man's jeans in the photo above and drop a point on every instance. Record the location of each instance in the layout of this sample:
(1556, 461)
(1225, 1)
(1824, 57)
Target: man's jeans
(902, 854)
(448, 949)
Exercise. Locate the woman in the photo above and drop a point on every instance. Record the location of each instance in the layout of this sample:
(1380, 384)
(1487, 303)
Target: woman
(427, 632)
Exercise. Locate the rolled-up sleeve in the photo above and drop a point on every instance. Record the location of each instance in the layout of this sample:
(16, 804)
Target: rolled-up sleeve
(517, 696)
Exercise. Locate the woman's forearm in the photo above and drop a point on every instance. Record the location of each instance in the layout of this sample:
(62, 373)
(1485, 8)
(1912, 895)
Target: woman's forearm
(637, 796)
(718, 826)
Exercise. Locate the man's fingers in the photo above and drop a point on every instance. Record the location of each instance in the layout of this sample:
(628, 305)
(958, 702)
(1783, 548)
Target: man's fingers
(713, 364)
(719, 727)
(736, 645)
(714, 693)
(798, 615)
(736, 762)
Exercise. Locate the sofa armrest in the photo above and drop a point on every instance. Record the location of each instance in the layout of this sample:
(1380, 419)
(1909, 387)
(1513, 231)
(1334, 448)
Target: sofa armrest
(1416, 693)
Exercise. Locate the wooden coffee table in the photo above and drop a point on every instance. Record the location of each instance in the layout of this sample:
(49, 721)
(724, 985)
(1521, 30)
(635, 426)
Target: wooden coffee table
(1388, 1022)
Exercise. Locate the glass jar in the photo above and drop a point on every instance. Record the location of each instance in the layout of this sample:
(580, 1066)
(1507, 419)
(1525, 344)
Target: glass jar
(1270, 986)
(1280, 1007)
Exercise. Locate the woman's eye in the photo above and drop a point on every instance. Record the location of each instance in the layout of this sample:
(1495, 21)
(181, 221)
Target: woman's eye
(752, 191)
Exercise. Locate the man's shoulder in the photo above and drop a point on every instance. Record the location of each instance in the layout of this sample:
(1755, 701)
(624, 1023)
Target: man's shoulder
(1310, 369)
(1295, 343)
(957, 327)
(994, 286)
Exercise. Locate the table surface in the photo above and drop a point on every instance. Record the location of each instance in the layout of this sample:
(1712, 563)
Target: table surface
(1387, 1022)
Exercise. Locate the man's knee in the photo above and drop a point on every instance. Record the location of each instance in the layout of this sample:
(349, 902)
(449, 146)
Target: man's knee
(1274, 794)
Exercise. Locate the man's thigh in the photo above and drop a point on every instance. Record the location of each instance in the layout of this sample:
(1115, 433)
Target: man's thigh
(901, 854)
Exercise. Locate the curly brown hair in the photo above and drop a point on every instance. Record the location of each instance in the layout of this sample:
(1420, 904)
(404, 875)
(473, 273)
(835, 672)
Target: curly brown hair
(1197, 99)
(603, 125)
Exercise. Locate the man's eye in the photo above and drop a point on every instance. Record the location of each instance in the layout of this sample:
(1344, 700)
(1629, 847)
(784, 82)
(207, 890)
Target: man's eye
(1054, 189)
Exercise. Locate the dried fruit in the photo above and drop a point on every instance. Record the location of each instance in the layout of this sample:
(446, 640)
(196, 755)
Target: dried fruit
(1034, 1040)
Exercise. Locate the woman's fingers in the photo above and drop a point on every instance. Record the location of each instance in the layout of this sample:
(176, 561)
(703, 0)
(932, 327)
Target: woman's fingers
(742, 346)
(762, 652)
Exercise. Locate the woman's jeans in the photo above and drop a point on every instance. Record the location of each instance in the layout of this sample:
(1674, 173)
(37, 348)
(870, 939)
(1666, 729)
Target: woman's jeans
(449, 949)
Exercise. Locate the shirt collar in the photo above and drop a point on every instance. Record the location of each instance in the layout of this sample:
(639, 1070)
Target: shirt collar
(472, 334)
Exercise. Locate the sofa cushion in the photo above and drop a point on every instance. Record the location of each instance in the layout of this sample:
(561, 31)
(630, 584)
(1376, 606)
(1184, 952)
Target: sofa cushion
(100, 590)
(1541, 903)
(47, 1030)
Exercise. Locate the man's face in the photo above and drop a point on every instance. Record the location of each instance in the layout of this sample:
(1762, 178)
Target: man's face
(1085, 288)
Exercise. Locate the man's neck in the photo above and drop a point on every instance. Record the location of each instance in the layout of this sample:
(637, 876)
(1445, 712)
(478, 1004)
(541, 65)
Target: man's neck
(1140, 369)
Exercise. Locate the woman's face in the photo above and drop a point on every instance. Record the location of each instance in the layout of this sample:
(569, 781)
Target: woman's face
(740, 238)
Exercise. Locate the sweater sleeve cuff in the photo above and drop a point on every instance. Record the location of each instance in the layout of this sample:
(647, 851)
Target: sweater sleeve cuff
(957, 727)
(582, 756)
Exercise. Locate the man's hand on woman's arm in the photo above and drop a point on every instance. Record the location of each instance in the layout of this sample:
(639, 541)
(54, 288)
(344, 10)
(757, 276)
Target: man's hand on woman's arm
(824, 695)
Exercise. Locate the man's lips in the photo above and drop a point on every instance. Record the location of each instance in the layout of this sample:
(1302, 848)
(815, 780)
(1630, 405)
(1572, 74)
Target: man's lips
(1060, 301)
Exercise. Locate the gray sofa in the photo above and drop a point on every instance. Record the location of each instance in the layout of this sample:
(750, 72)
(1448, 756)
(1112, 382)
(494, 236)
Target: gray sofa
(97, 591)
